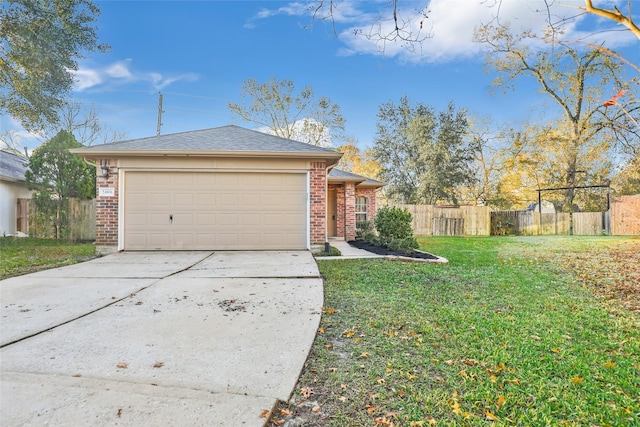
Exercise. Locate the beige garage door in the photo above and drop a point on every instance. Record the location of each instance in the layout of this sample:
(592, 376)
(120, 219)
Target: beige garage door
(225, 211)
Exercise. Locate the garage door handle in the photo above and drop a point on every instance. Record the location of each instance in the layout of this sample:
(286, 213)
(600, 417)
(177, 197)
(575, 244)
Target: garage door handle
(171, 218)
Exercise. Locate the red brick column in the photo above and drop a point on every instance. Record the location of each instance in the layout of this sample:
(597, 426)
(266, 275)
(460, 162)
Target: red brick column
(318, 203)
(349, 211)
(340, 211)
(106, 210)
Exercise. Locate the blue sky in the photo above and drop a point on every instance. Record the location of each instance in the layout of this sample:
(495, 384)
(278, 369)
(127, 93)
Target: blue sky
(199, 53)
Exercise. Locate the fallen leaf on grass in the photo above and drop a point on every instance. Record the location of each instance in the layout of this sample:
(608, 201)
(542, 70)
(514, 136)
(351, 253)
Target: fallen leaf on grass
(278, 422)
(365, 355)
(609, 365)
(329, 310)
(306, 391)
(491, 417)
(383, 421)
(577, 380)
(122, 365)
(501, 400)
(342, 399)
(369, 407)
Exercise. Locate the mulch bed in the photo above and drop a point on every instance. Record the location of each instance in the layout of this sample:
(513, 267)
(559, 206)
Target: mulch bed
(382, 250)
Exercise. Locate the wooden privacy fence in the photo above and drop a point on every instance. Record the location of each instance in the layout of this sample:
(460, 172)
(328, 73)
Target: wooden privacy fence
(534, 223)
(80, 221)
(625, 215)
(429, 220)
(622, 219)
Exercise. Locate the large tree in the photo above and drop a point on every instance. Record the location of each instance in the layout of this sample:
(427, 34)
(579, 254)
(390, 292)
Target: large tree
(360, 163)
(40, 44)
(425, 155)
(275, 106)
(574, 80)
(59, 175)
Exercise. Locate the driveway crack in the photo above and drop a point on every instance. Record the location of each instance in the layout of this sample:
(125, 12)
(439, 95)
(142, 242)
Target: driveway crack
(112, 302)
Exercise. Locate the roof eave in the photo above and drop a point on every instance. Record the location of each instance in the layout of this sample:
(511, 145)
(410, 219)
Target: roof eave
(371, 185)
(334, 180)
(332, 158)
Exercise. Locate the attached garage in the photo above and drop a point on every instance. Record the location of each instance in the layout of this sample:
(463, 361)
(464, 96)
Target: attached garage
(215, 210)
(225, 188)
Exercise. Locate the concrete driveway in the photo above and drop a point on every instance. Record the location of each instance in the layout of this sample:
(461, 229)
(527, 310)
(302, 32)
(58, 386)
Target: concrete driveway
(157, 338)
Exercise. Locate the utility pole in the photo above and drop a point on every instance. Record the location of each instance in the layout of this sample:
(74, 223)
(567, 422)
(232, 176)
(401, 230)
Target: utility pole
(159, 113)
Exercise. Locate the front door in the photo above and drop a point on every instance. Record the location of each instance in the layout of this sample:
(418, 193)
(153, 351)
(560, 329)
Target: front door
(332, 223)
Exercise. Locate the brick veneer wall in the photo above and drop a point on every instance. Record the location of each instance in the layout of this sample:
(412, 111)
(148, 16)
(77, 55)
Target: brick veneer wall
(349, 211)
(318, 203)
(107, 211)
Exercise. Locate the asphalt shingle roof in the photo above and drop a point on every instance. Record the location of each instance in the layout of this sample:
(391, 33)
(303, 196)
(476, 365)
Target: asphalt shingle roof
(12, 166)
(340, 174)
(226, 138)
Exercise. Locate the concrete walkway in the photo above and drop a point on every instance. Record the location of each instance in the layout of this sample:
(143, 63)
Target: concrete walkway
(141, 339)
(349, 251)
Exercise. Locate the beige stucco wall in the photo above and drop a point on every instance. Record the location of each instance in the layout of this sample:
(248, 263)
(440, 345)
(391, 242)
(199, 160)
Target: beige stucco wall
(10, 192)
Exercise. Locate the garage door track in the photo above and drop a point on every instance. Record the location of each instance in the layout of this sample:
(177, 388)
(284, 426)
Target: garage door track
(157, 338)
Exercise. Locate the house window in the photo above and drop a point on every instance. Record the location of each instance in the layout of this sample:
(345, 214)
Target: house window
(362, 209)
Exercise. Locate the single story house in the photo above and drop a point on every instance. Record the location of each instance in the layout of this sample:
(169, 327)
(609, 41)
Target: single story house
(13, 215)
(225, 188)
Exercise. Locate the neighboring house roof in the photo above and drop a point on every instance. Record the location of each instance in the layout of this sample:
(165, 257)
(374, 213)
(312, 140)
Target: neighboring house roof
(225, 140)
(338, 175)
(12, 166)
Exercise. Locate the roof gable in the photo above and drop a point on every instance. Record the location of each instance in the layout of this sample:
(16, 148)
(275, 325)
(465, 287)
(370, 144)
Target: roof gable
(338, 175)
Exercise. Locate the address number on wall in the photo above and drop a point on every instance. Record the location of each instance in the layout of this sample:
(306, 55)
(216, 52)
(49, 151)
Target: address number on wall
(106, 191)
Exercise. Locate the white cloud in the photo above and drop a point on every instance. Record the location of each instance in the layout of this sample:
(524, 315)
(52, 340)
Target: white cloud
(86, 78)
(160, 82)
(122, 72)
(452, 24)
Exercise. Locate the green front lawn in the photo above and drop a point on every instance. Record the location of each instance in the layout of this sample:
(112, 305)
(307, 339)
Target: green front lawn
(26, 255)
(507, 333)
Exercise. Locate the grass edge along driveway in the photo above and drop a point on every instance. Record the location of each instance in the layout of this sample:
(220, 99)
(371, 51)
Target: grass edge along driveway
(20, 256)
(505, 334)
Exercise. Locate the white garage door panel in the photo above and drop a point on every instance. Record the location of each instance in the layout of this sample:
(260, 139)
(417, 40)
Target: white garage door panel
(232, 211)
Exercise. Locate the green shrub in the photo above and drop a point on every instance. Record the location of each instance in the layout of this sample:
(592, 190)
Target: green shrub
(393, 223)
(363, 228)
(406, 246)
